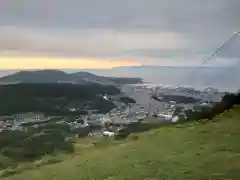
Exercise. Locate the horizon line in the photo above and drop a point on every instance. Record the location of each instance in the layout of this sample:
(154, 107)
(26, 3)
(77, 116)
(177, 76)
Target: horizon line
(109, 68)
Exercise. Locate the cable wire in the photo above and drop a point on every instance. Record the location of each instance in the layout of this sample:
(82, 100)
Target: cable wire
(219, 49)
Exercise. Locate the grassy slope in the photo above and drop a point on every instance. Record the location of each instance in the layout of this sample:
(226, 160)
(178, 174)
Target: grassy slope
(182, 152)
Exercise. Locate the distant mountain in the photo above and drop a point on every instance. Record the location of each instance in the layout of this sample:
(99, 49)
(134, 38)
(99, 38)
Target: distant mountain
(57, 76)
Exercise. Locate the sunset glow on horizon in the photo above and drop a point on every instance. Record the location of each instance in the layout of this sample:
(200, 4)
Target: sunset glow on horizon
(28, 62)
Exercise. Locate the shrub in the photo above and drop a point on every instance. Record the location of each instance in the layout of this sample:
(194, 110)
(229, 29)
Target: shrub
(132, 137)
(8, 172)
(38, 145)
(127, 100)
(46, 161)
(6, 162)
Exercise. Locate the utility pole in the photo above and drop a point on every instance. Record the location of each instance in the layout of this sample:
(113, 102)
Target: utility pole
(149, 106)
(129, 107)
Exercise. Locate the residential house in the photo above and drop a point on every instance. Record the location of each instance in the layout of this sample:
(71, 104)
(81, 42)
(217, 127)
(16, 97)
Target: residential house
(28, 117)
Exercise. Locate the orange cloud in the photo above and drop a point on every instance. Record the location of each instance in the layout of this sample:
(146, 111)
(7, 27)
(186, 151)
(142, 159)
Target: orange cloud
(10, 62)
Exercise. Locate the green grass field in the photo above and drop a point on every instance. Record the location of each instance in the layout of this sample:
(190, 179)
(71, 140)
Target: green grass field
(190, 151)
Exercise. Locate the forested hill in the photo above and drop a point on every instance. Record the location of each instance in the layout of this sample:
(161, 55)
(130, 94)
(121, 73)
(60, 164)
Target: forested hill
(18, 98)
(56, 76)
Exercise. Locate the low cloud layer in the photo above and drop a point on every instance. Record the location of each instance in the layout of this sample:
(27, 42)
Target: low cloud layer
(157, 32)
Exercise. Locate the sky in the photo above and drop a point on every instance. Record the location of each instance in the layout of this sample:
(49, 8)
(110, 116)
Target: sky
(78, 34)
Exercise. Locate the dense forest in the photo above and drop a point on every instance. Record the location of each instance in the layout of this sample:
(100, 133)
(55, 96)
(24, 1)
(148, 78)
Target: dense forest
(54, 98)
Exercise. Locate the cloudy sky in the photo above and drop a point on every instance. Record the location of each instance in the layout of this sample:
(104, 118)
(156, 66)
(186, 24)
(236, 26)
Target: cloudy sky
(77, 34)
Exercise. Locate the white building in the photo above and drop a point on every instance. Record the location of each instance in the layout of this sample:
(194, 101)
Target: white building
(105, 97)
(166, 117)
(72, 109)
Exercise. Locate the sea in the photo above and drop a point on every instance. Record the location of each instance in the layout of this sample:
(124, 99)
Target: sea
(221, 78)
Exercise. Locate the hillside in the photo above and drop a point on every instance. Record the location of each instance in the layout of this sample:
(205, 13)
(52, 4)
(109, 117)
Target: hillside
(54, 98)
(186, 151)
(48, 76)
(56, 76)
